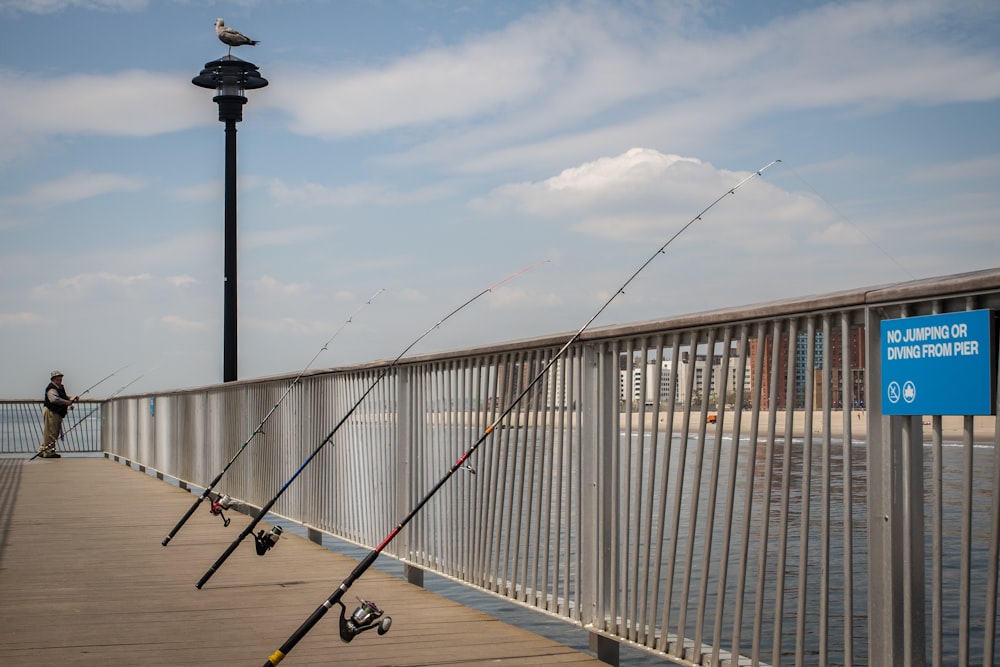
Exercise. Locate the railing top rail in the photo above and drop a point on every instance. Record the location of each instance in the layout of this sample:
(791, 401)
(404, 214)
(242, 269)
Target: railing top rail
(22, 401)
(958, 285)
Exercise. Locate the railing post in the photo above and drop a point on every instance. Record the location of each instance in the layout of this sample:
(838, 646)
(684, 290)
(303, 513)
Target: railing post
(896, 525)
(598, 433)
(405, 473)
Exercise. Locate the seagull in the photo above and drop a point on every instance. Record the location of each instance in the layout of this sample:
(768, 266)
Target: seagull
(231, 37)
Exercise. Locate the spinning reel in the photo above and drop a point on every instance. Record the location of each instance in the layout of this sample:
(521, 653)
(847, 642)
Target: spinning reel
(221, 502)
(364, 618)
(264, 541)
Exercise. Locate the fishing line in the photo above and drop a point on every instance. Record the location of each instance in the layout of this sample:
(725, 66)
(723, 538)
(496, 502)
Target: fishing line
(98, 406)
(106, 377)
(852, 224)
(265, 541)
(62, 434)
(368, 610)
(223, 502)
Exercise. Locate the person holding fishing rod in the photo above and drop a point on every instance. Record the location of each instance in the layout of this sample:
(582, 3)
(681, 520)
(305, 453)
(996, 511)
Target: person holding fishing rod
(56, 403)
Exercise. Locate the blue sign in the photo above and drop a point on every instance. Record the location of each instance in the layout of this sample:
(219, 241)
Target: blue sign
(939, 364)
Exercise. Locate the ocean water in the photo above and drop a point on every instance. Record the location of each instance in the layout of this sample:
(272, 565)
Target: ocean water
(21, 428)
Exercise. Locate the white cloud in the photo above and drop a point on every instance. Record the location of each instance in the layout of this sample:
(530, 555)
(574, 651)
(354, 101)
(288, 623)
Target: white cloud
(605, 182)
(354, 195)
(514, 298)
(181, 281)
(841, 233)
(984, 167)
(53, 6)
(21, 319)
(77, 187)
(289, 236)
(643, 194)
(108, 286)
(116, 105)
(269, 286)
(285, 326)
(488, 75)
(164, 251)
(74, 286)
(210, 191)
(315, 194)
(556, 76)
(185, 325)
(428, 87)
(8, 221)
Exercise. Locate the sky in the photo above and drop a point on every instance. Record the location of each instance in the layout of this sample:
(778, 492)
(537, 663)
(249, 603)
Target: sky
(433, 148)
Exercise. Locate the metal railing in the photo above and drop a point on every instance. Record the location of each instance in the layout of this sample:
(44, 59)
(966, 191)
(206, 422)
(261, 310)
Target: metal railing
(718, 488)
(21, 427)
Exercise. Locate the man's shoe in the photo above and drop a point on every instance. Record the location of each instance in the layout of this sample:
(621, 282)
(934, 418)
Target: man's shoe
(55, 455)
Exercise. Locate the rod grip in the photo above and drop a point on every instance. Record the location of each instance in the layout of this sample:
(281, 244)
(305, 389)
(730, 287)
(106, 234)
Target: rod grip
(303, 630)
(221, 559)
(190, 512)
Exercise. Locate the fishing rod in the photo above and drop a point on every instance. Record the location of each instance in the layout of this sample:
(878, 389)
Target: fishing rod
(366, 616)
(221, 502)
(87, 390)
(265, 541)
(62, 435)
(98, 406)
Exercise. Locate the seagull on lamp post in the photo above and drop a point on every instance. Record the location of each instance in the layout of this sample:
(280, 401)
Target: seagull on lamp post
(231, 37)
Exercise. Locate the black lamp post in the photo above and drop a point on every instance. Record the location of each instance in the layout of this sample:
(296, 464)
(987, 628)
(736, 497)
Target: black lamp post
(229, 77)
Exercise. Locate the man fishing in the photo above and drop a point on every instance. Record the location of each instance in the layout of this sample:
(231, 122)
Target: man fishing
(56, 404)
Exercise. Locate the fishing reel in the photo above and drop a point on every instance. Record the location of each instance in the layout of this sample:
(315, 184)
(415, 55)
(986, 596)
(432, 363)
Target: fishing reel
(264, 541)
(364, 618)
(221, 502)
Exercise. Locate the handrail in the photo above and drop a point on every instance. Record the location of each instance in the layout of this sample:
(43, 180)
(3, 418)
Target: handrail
(593, 502)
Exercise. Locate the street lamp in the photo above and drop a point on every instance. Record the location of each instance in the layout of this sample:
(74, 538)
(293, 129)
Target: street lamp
(230, 77)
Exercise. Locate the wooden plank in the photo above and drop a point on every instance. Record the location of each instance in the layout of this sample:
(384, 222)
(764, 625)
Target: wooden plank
(85, 581)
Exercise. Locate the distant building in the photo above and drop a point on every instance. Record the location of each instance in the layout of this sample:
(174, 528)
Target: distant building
(638, 382)
(854, 377)
(641, 382)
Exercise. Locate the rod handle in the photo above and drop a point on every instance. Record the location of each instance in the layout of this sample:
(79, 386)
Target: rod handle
(190, 512)
(303, 629)
(222, 559)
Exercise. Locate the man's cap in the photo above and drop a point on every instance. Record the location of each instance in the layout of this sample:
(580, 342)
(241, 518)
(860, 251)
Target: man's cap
(56, 374)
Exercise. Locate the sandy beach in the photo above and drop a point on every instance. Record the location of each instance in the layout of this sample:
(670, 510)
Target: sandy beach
(952, 427)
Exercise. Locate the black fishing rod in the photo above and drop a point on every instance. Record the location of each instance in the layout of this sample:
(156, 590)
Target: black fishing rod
(98, 406)
(264, 541)
(62, 434)
(106, 377)
(366, 616)
(224, 502)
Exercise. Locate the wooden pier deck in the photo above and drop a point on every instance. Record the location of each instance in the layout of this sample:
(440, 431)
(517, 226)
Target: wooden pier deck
(85, 581)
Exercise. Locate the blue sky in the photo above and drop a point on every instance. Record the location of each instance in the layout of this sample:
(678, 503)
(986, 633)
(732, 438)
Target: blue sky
(432, 148)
